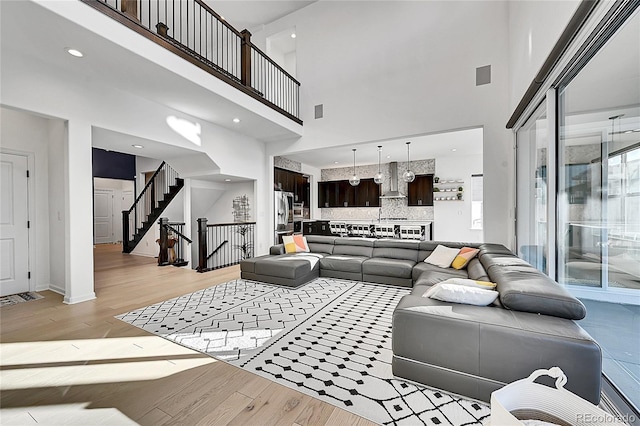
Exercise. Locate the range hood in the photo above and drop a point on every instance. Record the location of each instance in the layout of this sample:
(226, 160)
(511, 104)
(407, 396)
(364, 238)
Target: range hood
(393, 192)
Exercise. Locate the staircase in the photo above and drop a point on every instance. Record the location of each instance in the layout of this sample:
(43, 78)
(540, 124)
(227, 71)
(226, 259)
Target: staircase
(161, 189)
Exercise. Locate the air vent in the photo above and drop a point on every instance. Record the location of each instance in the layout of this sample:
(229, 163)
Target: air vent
(483, 75)
(319, 113)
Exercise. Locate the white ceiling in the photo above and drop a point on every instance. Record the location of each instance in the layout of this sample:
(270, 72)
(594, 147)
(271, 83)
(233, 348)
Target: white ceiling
(465, 142)
(252, 15)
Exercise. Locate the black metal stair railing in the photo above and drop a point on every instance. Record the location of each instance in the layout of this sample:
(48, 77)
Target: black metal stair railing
(224, 244)
(192, 28)
(159, 191)
(172, 243)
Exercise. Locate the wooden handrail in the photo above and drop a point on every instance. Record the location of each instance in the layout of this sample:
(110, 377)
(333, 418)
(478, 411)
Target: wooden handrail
(218, 17)
(142, 193)
(225, 67)
(230, 223)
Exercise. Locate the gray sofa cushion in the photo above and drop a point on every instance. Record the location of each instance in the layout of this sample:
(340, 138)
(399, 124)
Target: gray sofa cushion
(381, 266)
(343, 263)
(396, 249)
(320, 243)
(476, 271)
(422, 267)
(528, 290)
(276, 250)
(353, 246)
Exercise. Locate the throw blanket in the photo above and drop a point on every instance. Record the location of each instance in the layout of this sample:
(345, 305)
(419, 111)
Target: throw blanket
(312, 258)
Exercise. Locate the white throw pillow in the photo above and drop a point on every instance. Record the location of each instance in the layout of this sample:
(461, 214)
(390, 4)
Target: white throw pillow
(487, 285)
(461, 294)
(442, 256)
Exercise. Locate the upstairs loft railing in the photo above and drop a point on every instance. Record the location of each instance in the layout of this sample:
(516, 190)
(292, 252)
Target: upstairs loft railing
(192, 30)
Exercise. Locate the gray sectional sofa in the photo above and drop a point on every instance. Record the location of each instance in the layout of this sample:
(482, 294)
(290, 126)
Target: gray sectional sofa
(465, 349)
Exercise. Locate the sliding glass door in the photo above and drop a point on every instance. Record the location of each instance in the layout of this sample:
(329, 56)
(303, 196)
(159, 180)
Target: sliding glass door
(598, 222)
(532, 190)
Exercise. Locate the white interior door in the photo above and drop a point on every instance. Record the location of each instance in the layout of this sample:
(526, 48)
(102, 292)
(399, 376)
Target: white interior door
(14, 234)
(103, 216)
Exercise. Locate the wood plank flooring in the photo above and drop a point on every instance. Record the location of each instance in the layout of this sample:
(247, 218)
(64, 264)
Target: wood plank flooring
(78, 364)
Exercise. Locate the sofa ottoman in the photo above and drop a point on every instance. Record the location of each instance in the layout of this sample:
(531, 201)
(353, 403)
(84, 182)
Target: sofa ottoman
(291, 270)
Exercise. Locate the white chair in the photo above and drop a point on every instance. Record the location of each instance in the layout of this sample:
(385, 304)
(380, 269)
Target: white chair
(410, 232)
(338, 228)
(384, 231)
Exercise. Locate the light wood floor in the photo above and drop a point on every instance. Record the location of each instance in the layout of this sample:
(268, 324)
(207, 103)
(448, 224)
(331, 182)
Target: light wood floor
(77, 363)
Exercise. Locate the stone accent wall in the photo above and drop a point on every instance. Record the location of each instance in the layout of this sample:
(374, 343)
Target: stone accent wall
(390, 208)
(285, 163)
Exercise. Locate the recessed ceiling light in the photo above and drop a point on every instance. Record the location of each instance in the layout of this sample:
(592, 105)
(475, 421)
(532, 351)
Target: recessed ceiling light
(293, 35)
(388, 156)
(138, 146)
(453, 150)
(227, 180)
(335, 162)
(236, 120)
(74, 52)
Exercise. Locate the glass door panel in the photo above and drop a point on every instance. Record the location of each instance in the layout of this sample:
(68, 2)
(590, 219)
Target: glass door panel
(531, 164)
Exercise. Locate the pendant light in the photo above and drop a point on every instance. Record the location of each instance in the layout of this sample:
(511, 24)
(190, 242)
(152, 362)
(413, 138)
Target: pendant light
(408, 176)
(379, 178)
(355, 180)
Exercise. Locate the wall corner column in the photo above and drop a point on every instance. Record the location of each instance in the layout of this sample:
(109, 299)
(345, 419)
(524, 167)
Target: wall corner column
(79, 283)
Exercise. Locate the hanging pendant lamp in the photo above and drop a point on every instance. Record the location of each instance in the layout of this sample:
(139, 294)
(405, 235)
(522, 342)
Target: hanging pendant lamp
(379, 178)
(354, 180)
(408, 176)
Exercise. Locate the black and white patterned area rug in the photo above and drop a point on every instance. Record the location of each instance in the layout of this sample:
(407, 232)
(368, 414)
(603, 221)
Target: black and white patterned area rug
(330, 339)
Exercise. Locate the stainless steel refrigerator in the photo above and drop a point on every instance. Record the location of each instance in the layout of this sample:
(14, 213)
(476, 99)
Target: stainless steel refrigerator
(283, 214)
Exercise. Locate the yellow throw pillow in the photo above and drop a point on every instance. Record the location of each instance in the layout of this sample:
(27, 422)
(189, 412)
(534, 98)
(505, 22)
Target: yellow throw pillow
(295, 244)
(463, 258)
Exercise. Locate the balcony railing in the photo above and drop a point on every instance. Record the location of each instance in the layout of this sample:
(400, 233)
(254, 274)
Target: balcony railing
(192, 30)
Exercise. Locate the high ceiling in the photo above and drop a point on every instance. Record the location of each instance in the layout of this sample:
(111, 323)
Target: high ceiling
(450, 144)
(252, 15)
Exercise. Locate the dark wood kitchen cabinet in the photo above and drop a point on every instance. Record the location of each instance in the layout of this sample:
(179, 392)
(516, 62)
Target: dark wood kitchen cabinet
(340, 193)
(294, 182)
(420, 191)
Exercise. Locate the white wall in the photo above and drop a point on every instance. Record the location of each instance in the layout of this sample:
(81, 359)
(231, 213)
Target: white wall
(222, 209)
(29, 134)
(452, 219)
(57, 204)
(402, 69)
(534, 28)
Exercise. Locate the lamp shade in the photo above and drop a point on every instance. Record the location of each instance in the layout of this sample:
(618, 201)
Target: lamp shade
(354, 180)
(408, 176)
(379, 178)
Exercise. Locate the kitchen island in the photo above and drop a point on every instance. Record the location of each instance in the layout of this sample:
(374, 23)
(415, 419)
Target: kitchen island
(384, 228)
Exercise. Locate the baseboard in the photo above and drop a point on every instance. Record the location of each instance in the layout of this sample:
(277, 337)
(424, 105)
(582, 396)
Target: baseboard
(74, 300)
(56, 289)
(43, 287)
